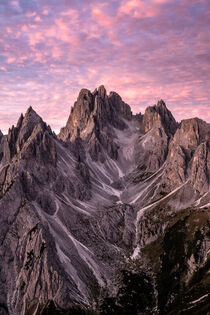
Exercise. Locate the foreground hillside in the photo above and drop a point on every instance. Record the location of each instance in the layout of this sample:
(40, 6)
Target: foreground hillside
(111, 216)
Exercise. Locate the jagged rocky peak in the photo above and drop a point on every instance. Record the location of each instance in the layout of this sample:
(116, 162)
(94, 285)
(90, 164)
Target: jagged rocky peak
(161, 104)
(192, 132)
(79, 116)
(27, 125)
(102, 91)
(70, 226)
(1, 145)
(159, 116)
(189, 155)
(200, 170)
(95, 108)
(28, 122)
(24, 127)
(123, 108)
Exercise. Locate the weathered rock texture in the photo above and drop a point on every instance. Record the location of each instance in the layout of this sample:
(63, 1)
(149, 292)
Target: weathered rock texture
(108, 214)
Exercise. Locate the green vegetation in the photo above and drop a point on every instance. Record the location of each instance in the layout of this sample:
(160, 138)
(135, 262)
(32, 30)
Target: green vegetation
(3, 308)
(134, 296)
(177, 283)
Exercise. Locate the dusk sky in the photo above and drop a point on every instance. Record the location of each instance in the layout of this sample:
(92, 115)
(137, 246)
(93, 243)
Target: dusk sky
(143, 49)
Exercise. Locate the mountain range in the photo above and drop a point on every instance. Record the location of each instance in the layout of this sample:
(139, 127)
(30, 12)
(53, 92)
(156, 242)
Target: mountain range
(110, 216)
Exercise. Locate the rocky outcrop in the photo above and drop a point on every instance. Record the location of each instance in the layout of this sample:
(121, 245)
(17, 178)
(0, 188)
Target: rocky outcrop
(92, 115)
(159, 116)
(159, 126)
(188, 155)
(120, 106)
(100, 218)
(200, 168)
(154, 149)
(29, 261)
(40, 146)
(1, 145)
(80, 115)
(94, 108)
(192, 132)
(19, 136)
(180, 260)
(117, 225)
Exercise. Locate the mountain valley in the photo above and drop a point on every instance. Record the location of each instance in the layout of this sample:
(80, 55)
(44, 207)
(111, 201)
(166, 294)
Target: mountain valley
(110, 216)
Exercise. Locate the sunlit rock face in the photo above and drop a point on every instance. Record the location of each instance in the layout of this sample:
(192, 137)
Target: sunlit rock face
(95, 108)
(159, 116)
(108, 214)
(189, 154)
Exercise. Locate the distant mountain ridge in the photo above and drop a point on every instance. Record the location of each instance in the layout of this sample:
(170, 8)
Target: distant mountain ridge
(108, 214)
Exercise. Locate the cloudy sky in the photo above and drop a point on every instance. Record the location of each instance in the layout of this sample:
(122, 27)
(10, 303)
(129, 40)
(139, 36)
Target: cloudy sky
(143, 49)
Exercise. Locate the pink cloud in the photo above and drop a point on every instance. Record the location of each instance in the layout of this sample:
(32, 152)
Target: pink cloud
(106, 21)
(144, 50)
(30, 83)
(62, 30)
(93, 31)
(101, 17)
(162, 1)
(30, 14)
(2, 68)
(9, 30)
(202, 112)
(138, 9)
(74, 14)
(45, 12)
(56, 52)
(37, 19)
(39, 57)
(11, 60)
(14, 3)
(24, 28)
(35, 37)
(61, 24)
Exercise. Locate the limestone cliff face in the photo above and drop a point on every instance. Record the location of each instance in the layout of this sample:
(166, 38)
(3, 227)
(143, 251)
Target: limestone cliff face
(188, 154)
(154, 148)
(31, 272)
(98, 218)
(1, 145)
(192, 132)
(95, 108)
(80, 115)
(93, 117)
(159, 127)
(159, 116)
(200, 169)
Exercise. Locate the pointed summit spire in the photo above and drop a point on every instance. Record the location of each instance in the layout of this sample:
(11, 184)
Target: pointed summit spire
(159, 115)
(95, 108)
(31, 112)
(161, 103)
(102, 91)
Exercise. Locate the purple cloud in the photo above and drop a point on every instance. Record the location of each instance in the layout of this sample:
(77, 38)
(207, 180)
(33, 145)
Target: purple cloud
(145, 50)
